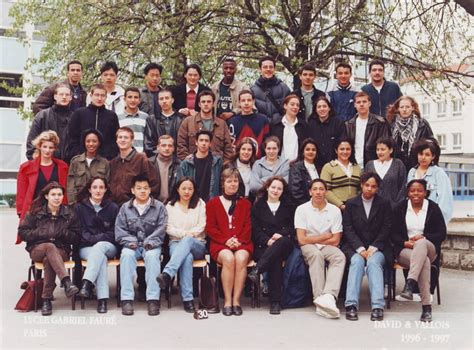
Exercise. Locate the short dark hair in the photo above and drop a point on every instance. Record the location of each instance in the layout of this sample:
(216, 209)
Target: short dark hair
(307, 66)
(376, 62)
(85, 194)
(230, 60)
(423, 144)
(204, 132)
(132, 89)
(91, 131)
(152, 65)
(361, 94)
(349, 141)
(387, 141)
(73, 62)
(206, 93)
(165, 90)
(249, 92)
(344, 65)
(266, 58)
(139, 178)
(316, 181)
(174, 196)
(109, 65)
(193, 66)
(422, 182)
(369, 175)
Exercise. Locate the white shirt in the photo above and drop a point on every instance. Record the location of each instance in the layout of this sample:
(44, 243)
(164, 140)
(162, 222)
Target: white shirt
(313, 173)
(367, 205)
(180, 222)
(227, 203)
(317, 222)
(361, 125)
(416, 222)
(347, 170)
(188, 88)
(381, 168)
(290, 140)
(141, 207)
(245, 171)
(273, 206)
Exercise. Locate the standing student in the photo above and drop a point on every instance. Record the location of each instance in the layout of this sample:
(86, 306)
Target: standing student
(342, 96)
(149, 93)
(115, 93)
(307, 93)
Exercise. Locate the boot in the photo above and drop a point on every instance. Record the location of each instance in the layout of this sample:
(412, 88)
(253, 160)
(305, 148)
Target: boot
(426, 315)
(102, 306)
(69, 288)
(47, 307)
(164, 281)
(407, 291)
(86, 289)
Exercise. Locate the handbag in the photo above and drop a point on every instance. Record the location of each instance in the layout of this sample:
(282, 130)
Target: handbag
(208, 295)
(27, 300)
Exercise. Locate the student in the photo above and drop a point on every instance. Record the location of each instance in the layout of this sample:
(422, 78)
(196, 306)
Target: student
(367, 224)
(318, 230)
(185, 227)
(243, 160)
(342, 95)
(49, 229)
(140, 229)
(228, 225)
(307, 93)
(115, 93)
(97, 214)
(273, 236)
(149, 93)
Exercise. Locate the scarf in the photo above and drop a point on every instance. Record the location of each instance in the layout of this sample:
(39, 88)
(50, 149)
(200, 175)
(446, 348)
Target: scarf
(406, 129)
(233, 198)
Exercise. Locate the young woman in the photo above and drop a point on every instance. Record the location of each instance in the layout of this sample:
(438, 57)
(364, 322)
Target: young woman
(407, 128)
(185, 227)
(417, 232)
(86, 165)
(438, 184)
(243, 160)
(303, 172)
(325, 129)
(270, 165)
(273, 235)
(37, 173)
(97, 214)
(391, 170)
(290, 130)
(228, 225)
(342, 175)
(49, 228)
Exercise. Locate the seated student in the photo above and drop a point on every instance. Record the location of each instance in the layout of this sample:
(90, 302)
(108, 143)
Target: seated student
(417, 233)
(49, 229)
(270, 165)
(318, 230)
(367, 224)
(140, 230)
(228, 225)
(273, 235)
(97, 214)
(186, 223)
(86, 165)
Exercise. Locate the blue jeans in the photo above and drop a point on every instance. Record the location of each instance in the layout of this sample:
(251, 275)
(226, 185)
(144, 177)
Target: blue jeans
(375, 266)
(96, 271)
(183, 252)
(128, 270)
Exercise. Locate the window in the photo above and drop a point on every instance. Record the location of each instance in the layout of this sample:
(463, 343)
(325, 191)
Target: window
(457, 141)
(457, 108)
(442, 141)
(10, 87)
(425, 110)
(441, 109)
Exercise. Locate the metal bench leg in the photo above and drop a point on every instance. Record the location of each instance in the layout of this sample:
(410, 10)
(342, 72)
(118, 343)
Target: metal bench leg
(118, 287)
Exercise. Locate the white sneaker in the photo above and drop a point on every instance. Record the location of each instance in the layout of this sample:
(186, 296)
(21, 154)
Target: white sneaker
(327, 303)
(416, 297)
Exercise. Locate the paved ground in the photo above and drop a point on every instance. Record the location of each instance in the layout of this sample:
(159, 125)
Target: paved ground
(256, 329)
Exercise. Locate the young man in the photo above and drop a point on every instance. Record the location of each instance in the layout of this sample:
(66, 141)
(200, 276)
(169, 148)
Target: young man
(149, 93)
(307, 92)
(94, 116)
(73, 81)
(166, 164)
(269, 91)
(205, 120)
(342, 96)
(133, 118)
(115, 93)
(367, 224)
(364, 129)
(54, 118)
(126, 165)
(227, 91)
(248, 123)
(203, 167)
(382, 93)
(318, 229)
(166, 122)
(140, 229)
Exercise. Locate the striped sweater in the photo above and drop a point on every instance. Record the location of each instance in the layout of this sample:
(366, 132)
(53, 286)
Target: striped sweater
(340, 186)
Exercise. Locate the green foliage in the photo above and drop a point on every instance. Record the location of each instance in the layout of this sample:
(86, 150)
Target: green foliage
(10, 198)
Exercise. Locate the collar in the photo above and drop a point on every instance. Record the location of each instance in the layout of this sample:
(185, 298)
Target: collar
(188, 88)
(347, 87)
(199, 119)
(368, 201)
(325, 209)
(129, 156)
(151, 202)
(287, 123)
(424, 207)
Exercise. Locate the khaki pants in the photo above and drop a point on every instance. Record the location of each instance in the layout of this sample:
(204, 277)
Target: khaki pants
(324, 282)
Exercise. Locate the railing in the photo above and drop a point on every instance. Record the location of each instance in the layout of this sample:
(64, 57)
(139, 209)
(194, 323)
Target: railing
(462, 181)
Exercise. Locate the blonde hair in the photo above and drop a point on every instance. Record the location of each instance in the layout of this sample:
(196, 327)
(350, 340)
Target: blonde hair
(45, 136)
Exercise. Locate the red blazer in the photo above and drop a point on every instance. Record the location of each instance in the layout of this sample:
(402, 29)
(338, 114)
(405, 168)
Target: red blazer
(26, 184)
(217, 225)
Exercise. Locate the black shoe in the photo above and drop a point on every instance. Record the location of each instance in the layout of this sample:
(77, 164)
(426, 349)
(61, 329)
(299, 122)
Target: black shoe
(69, 288)
(47, 307)
(227, 311)
(237, 310)
(127, 307)
(351, 313)
(275, 308)
(102, 306)
(254, 275)
(164, 281)
(376, 315)
(153, 307)
(86, 289)
(426, 315)
(189, 306)
(407, 291)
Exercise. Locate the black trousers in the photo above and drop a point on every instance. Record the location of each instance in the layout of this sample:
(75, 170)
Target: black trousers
(271, 261)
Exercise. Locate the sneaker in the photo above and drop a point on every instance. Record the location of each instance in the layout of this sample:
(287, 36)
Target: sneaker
(327, 303)
(323, 313)
(416, 297)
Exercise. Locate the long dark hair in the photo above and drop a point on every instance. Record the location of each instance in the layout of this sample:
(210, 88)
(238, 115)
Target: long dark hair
(262, 193)
(243, 141)
(331, 113)
(41, 201)
(338, 143)
(308, 141)
(85, 194)
(174, 197)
